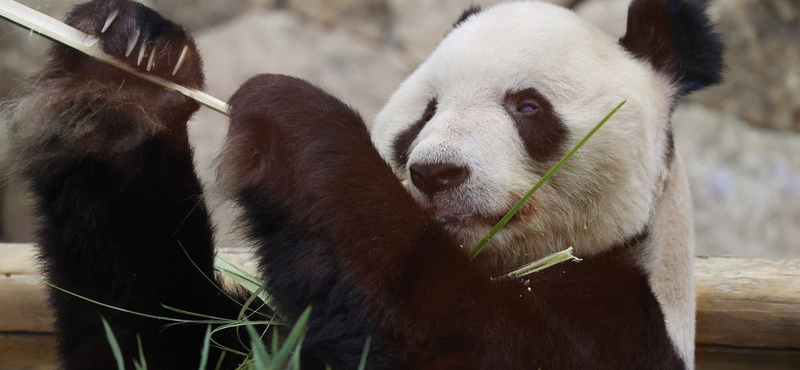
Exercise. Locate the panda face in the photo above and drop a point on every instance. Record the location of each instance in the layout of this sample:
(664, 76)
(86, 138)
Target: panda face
(506, 94)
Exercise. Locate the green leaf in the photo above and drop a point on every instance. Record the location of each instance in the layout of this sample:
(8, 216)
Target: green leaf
(189, 313)
(539, 184)
(292, 340)
(261, 359)
(363, 364)
(180, 321)
(250, 300)
(112, 340)
(204, 353)
(243, 278)
(220, 361)
(275, 339)
(142, 363)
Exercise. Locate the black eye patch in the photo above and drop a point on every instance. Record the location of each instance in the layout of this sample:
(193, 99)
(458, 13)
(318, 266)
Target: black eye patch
(541, 129)
(402, 144)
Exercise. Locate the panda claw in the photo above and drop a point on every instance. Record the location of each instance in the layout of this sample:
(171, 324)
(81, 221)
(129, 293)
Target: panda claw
(152, 61)
(142, 53)
(181, 59)
(110, 20)
(132, 43)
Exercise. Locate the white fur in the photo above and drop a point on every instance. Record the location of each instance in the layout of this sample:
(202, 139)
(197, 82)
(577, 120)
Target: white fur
(669, 260)
(608, 193)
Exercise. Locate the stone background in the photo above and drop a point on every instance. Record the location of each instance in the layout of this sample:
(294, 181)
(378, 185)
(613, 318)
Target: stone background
(741, 140)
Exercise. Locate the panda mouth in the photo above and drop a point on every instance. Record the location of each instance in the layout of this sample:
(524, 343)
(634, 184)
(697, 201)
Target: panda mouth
(461, 218)
(447, 216)
(453, 217)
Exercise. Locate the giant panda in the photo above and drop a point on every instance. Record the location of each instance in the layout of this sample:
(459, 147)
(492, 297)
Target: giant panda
(370, 227)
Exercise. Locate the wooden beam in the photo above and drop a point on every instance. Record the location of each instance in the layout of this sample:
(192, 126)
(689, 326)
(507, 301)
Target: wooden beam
(27, 351)
(741, 302)
(733, 358)
(18, 259)
(748, 302)
(23, 305)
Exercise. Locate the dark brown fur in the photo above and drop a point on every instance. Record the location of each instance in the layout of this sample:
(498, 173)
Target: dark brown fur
(677, 38)
(123, 220)
(541, 130)
(109, 162)
(402, 145)
(312, 184)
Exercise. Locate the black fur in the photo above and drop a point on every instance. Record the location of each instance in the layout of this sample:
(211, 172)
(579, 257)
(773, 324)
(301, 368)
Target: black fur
(114, 232)
(541, 129)
(677, 38)
(402, 145)
(467, 14)
(112, 172)
(332, 226)
(337, 231)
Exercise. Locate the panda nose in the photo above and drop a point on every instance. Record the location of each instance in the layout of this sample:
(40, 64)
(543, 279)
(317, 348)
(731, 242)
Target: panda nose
(431, 178)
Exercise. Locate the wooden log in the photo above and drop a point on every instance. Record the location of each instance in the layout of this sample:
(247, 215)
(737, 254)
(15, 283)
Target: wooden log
(23, 305)
(741, 302)
(733, 358)
(27, 352)
(748, 302)
(18, 259)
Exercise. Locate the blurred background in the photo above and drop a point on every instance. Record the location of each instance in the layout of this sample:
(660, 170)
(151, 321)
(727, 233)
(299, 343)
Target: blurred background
(740, 140)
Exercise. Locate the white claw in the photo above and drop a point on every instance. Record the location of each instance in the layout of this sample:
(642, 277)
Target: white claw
(181, 59)
(152, 61)
(110, 20)
(132, 43)
(142, 53)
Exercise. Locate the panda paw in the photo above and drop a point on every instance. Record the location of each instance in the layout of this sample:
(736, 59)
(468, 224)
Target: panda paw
(141, 38)
(77, 106)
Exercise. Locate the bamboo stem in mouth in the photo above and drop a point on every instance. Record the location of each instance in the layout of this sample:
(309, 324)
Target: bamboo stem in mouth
(57, 31)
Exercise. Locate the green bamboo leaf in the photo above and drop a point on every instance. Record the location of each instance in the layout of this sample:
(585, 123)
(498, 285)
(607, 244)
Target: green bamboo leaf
(112, 340)
(363, 364)
(142, 363)
(204, 353)
(220, 361)
(261, 359)
(243, 278)
(292, 340)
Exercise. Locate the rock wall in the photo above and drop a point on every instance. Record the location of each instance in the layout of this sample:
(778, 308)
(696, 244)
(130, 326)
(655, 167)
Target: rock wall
(737, 139)
(740, 139)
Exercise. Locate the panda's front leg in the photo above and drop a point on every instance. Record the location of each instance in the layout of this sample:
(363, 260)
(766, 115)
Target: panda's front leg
(108, 160)
(336, 230)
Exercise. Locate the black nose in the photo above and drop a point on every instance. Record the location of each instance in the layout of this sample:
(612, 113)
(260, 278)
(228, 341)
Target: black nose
(431, 178)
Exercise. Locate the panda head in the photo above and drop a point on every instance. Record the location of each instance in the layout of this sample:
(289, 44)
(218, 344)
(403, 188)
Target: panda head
(513, 88)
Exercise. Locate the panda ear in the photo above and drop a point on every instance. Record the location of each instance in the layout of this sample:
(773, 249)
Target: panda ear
(677, 38)
(467, 13)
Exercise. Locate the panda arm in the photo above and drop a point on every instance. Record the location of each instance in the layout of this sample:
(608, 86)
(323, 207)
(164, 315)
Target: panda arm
(109, 163)
(337, 231)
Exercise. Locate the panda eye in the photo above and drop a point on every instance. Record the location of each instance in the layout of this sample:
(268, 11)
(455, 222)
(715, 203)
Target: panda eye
(528, 108)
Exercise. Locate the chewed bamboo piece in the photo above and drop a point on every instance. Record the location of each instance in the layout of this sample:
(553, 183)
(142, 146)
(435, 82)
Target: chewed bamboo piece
(539, 265)
(60, 32)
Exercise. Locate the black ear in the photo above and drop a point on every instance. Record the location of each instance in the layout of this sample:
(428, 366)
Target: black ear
(467, 13)
(677, 38)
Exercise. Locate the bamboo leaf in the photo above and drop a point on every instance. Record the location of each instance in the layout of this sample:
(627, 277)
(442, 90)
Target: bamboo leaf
(363, 364)
(204, 353)
(112, 341)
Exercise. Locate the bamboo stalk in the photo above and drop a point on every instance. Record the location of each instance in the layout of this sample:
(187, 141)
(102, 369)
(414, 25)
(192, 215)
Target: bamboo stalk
(58, 31)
